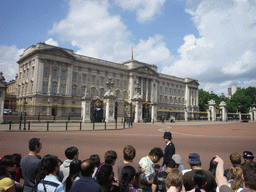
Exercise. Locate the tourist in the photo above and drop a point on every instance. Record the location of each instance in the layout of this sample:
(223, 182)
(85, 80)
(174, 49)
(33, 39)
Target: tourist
(50, 182)
(71, 154)
(129, 153)
(236, 160)
(96, 160)
(174, 181)
(7, 166)
(195, 164)
(200, 178)
(74, 173)
(127, 179)
(30, 163)
(147, 163)
(86, 182)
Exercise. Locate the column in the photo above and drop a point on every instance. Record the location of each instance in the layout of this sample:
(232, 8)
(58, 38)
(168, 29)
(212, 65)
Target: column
(224, 111)
(254, 113)
(153, 113)
(156, 92)
(142, 87)
(187, 96)
(131, 86)
(69, 80)
(85, 111)
(240, 116)
(59, 80)
(110, 108)
(38, 80)
(212, 108)
(138, 111)
(152, 92)
(186, 115)
(50, 80)
(147, 89)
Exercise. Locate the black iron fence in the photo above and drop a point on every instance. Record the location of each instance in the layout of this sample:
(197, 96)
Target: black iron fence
(66, 126)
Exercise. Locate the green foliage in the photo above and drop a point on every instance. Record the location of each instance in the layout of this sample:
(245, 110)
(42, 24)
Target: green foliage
(241, 101)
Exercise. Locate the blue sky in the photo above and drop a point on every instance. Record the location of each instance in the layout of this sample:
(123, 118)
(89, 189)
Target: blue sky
(212, 41)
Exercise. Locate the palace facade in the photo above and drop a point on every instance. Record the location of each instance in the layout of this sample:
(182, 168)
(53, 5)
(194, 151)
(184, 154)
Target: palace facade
(52, 80)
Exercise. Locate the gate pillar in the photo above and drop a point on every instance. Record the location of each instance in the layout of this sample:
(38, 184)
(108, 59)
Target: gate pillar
(110, 106)
(154, 113)
(85, 111)
(212, 109)
(224, 110)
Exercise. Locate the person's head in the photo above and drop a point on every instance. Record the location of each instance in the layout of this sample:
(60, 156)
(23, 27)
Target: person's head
(129, 153)
(104, 174)
(167, 136)
(249, 175)
(200, 179)
(71, 153)
(169, 164)
(236, 174)
(87, 168)
(75, 167)
(110, 157)
(178, 159)
(174, 179)
(96, 159)
(17, 159)
(156, 154)
(213, 166)
(235, 159)
(248, 156)
(35, 145)
(194, 160)
(7, 165)
(50, 164)
(127, 177)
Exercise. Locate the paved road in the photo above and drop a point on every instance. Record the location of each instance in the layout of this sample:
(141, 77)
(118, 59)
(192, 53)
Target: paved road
(206, 138)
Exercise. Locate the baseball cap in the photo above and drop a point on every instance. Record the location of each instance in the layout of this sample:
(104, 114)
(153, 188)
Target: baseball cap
(177, 158)
(248, 154)
(194, 159)
(167, 134)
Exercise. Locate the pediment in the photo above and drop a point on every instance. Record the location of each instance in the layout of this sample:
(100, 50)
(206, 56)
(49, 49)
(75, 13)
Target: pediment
(58, 52)
(194, 82)
(145, 70)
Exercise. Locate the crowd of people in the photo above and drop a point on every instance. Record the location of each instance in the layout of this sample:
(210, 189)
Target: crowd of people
(50, 174)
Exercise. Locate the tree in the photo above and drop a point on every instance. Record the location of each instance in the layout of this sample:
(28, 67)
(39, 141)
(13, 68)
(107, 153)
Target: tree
(203, 98)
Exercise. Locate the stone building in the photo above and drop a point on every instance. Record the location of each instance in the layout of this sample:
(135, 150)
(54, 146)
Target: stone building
(52, 80)
(10, 97)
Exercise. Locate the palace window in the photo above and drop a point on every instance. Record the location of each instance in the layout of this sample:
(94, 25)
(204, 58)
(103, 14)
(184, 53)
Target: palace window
(84, 77)
(54, 72)
(62, 90)
(46, 72)
(63, 74)
(54, 89)
(74, 76)
(45, 88)
(93, 78)
(73, 91)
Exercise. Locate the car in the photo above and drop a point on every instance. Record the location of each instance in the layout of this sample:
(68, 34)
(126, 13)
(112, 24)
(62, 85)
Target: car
(7, 111)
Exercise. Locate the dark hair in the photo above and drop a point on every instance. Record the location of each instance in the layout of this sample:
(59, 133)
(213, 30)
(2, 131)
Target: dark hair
(96, 159)
(157, 152)
(71, 152)
(213, 166)
(104, 174)
(33, 143)
(129, 152)
(127, 174)
(249, 172)
(199, 178)
(74, 171)
(47, 165)
(6, 161)
(110, 156)
(17, 159)
(87, 167)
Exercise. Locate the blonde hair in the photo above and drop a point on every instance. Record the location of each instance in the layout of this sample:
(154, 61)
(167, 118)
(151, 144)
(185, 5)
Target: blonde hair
(174, 178)
(236, 174)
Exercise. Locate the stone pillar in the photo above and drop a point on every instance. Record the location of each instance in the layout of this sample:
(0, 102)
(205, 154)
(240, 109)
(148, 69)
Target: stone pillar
(142, 88)
(192, 114)
(50, 80)
(147, 89)
(131, 86)
(186, 115)
(251, 114)
(212, 108)
(2, 96)
(209, 114)
(59, 80)
(224, 110)
(110, 106)
(154, 113)
(240, 116)
(69, 80)
(85, 111)
(254, 113)
(138, 110)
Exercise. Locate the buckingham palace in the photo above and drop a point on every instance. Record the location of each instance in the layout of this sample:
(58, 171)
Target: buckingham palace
(53, 80)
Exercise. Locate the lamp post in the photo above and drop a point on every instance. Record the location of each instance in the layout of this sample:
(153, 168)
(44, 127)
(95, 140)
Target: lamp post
(25, 114)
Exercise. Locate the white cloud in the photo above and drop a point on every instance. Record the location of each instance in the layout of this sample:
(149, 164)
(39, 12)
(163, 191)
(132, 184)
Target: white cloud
(145, 9)
(90, 27)
(50, 41)
(8, 57)
(225, 49)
